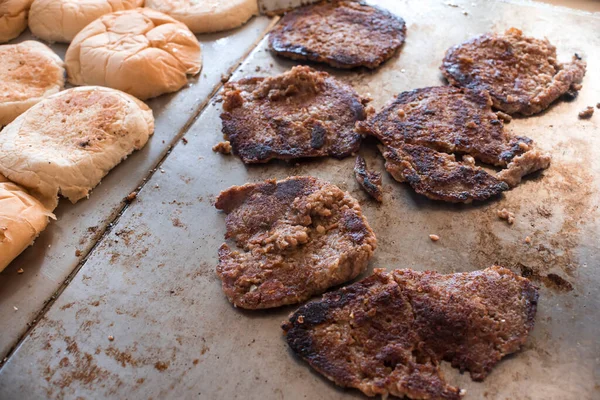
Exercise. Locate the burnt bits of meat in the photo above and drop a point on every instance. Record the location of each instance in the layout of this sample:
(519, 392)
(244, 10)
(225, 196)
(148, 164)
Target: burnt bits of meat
(301, 113)
(424, 130)
(387, 334)
(295, 239)
(343, 34)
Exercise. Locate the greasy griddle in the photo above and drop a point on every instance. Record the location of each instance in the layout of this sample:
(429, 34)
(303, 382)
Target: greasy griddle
(150, 282)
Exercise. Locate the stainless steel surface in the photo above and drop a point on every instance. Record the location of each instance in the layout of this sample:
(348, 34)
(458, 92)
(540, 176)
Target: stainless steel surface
(66, 242)
(151, 285)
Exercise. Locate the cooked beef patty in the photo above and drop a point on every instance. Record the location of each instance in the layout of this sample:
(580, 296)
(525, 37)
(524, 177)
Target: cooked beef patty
(296, 238)
(301, 113)
(521, 73)
(388, 333)
(343, 34)
(421, 129)
(370, 181)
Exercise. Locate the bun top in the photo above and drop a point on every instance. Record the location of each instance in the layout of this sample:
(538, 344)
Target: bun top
(68, 142)
(29, 71)
(13, 18)
(61, 20)
(203, 16)
(22, 218)
(142, 52)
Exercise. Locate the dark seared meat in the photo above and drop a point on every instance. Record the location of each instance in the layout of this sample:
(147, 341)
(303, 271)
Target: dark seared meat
(296, 238)
(387, 334)
(421, 130)
(301, 113)
(343, 34)
(521, 73)
(370, 181)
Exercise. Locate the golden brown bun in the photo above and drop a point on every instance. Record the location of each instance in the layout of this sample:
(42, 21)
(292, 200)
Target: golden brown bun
(68, 142)
(205, 16)
(13, 18)
(22, 218)
(29, 72)
(142, 52)
(61, 20)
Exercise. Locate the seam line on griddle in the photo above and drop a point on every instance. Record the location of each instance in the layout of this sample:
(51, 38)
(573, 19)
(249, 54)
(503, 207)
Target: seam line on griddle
(113, 220)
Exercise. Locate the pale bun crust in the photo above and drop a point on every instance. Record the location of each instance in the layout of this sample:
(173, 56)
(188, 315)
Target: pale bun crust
(67, 143)
(206, 16)
(29, 72)
(142, 52)
(61, 20)
(13, 18)
(22, 218)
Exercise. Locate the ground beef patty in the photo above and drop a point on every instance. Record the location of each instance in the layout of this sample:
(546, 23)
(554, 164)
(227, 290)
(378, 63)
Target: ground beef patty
(421, 130)
(343, 34)
(296, 238)
(301, 113)
(521, 73)
(388, 333)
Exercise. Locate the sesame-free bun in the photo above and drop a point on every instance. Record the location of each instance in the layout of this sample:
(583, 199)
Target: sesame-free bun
(22, 218)
(142, 52)
(13, 18)
(29, 72)
(205, 16)
(61, 20)
(68, 142)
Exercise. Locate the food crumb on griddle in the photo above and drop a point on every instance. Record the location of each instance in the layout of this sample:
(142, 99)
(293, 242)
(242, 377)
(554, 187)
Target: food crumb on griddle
(597, 105)
(370, 181)
(111, 338)
(528, 240)
(131, 197)
(434, 238)
(587, 113)
(184, 140)
(503, 116)
(20, 271)
(222, 147)
(506, 215)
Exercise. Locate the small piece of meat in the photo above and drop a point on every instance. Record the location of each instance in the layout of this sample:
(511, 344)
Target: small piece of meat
(522, 165)
(368, 180)
(587, 113)
(222, 147)
(421, 129)
(387, 334)
(506, 215)
(296, 238)
(521, 73)
(301, 113)
(343, 34)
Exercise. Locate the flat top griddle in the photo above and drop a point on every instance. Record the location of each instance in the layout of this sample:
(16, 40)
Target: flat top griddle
(150, 282)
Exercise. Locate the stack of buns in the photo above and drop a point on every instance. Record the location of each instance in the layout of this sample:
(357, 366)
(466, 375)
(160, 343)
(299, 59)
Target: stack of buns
(62, 143)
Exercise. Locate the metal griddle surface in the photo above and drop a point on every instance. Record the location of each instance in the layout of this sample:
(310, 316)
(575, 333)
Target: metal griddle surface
(151, 284)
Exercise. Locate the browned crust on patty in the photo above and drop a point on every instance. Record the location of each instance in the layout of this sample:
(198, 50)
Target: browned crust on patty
(387, 334)
(295, 238)
(370, 181)
(343, 34)
(521, 73)
(301, 113)
(422, 130)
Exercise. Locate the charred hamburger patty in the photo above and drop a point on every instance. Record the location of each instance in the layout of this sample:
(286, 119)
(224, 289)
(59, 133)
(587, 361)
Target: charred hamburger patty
(421, 130)
(521, 73)
(343, 34)
(301, 113)
(388, 333)
(296, 238)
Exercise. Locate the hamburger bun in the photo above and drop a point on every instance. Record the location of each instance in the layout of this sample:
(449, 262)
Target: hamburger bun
(22, 218)
(205, 16)
(29, 72)
(67, 143)
(61, 20)
(142, 52)
(13, 18)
